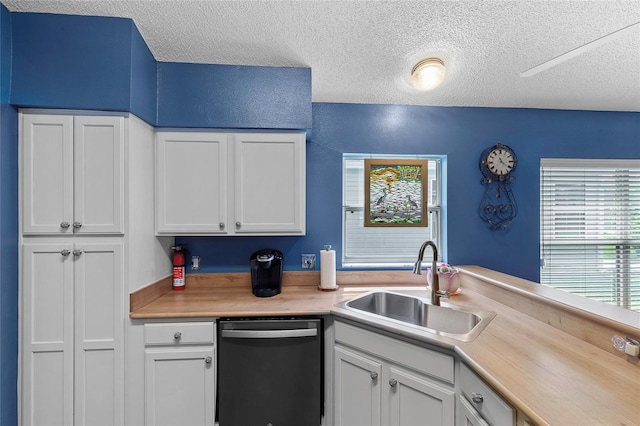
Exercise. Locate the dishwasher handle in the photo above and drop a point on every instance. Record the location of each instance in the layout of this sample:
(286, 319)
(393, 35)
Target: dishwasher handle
(269, 334)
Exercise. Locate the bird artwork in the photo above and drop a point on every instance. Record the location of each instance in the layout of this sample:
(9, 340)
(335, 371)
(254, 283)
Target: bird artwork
(383, 197)
(411, 203)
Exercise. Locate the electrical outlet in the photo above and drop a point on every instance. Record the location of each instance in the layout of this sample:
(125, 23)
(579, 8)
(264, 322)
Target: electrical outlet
(308, 261)
(195, 263)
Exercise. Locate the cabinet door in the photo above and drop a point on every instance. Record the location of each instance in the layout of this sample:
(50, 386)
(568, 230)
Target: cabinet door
(467, 415)
(191, 183)
(99, 325)
(47, 334)
(180, 386)
(47, 187)
(270, 183)
(414, 400)
(357, 389)
(98, 175)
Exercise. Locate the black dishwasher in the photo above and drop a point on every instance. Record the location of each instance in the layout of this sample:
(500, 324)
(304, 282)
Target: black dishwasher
(270, 371)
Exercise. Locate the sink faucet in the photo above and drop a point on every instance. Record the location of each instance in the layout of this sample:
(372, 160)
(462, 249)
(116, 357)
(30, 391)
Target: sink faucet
(436, 293)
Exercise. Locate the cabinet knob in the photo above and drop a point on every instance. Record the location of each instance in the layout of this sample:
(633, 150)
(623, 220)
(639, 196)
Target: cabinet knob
(77, 253)
(374, 375)
(393, 383)
(207, 360)
(65, 225)
(221, 224)
(477, 398)
(65, 252)
(238, 224)
(77, 225)
(177, 335)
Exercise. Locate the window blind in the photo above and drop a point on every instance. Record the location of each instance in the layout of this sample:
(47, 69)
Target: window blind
(590, 228)
(382, 246)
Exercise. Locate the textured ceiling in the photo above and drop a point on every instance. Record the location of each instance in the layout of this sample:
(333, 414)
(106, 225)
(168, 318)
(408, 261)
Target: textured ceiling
(363, 51)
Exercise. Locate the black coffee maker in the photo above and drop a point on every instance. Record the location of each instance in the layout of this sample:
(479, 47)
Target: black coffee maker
(266, 272)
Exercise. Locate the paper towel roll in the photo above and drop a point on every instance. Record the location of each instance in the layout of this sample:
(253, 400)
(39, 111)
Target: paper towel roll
(328, 269)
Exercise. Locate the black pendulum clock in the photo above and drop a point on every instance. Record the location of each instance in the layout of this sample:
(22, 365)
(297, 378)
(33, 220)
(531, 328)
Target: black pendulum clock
(498, 206)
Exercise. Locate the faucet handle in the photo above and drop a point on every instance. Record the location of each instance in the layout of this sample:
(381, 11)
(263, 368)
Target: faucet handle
(443, 294)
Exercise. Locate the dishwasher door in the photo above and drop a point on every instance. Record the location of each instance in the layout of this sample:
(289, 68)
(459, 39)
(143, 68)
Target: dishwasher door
(270, 372)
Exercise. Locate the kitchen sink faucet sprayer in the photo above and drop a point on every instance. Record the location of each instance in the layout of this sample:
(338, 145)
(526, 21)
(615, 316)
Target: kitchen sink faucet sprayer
(436, 293)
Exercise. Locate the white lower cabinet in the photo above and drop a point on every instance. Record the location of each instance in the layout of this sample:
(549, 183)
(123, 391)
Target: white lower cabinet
(72, 333)
(383, 381)
(479, 405)
(180, 374)
(467, 415)
(357, 390)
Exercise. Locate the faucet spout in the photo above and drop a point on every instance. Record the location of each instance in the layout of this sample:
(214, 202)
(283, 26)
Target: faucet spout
(436, 294)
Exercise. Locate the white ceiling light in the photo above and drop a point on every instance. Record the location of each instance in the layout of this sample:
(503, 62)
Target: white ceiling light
(428, 74)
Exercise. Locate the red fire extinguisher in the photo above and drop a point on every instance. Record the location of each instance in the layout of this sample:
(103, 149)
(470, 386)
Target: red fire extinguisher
(178, 268)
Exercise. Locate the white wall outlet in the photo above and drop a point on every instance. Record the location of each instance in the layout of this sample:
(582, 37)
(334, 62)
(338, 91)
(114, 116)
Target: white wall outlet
(195, 263)
(308, 261)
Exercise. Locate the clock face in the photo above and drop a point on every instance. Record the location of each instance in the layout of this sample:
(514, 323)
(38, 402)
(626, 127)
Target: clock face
(500, 161)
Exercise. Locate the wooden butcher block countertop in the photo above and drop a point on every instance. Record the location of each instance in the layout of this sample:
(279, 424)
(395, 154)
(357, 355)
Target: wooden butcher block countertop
(545, 351)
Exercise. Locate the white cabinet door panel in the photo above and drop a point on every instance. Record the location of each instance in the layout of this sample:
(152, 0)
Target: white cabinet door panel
(99, 175)
(47, 149)
(99, 333)
(180, 387)
(270, 183)
(191, 183)
(47, 334)
(357, 389)
(414, 400)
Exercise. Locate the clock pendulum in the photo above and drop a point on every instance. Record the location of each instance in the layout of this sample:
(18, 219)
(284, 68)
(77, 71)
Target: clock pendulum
(498, 206)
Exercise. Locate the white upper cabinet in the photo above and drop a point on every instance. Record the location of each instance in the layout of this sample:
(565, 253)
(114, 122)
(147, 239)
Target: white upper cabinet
(191, 182)
(269, 183)
(73, 174)
(212, 183)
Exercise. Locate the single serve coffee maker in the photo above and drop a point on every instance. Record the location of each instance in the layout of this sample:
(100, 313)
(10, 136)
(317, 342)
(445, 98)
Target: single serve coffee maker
(266, 272)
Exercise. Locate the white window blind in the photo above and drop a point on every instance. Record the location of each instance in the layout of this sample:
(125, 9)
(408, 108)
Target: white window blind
(590, 228)
(384, 246)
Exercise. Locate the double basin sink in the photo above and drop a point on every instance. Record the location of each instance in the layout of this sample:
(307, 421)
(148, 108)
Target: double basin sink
(414, 312)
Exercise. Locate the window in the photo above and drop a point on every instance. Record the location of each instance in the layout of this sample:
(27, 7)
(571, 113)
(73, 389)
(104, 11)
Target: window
(590, 228)
(380, 246)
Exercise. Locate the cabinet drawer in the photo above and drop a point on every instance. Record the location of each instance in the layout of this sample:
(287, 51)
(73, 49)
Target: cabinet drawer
(424, 360)
(180, 333)
(490, 406)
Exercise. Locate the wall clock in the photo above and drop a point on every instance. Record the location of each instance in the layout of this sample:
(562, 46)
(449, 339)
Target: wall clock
(498, 206)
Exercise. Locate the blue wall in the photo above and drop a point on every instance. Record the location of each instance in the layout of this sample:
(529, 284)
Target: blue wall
(144, 88)
(459, 133)
(8, 233)
(229, 96)
(64, 61)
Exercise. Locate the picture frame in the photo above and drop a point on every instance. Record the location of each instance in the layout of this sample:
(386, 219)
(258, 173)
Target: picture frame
(395, 192)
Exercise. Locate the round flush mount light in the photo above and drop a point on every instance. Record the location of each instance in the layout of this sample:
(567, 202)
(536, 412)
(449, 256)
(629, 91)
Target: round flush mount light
(428, 74)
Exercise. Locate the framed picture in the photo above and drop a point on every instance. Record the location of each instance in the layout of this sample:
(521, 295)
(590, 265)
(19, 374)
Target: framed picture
(395, 192)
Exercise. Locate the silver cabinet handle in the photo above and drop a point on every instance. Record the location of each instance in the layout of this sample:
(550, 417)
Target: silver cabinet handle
(77, 225)
(65, 252)
(77, 253)
(177, 335)
(393, 383)
(207, 360)
(238, 224)
(65, 225)
(221, 224)
(374, 375)
(269, 334)
(477, 398)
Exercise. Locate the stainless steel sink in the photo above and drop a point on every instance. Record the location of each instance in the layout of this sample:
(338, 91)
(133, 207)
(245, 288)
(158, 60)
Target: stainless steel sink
(415, 312)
